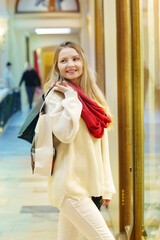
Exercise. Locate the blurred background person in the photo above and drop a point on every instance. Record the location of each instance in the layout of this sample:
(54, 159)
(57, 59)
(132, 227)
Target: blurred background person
(32, 80)
(8, 81)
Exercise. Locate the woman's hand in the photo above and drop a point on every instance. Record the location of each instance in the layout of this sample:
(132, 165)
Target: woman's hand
(105, 202)
(63, 87)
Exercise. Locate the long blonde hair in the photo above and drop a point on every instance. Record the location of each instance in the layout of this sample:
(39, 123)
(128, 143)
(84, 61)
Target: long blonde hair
(88, 80)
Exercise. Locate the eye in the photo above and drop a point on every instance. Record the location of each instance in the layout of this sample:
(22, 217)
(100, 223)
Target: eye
(63, 60)
(76, 58)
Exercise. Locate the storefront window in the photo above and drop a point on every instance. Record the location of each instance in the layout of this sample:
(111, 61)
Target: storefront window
(33, 6)
(151, 54)
(66, 5)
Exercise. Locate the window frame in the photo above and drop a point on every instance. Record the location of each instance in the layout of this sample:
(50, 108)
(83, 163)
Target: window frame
(51, 9)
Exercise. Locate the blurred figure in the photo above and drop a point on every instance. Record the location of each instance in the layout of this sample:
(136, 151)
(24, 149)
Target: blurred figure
(32, 80)
(8, 77)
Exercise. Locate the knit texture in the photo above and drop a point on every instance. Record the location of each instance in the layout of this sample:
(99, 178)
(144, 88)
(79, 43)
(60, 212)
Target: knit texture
(93, 115)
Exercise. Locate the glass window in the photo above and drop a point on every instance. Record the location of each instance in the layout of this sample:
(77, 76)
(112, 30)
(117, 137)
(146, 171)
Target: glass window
(66, 5)
(47, 5)
(151, 43)
(33, 5)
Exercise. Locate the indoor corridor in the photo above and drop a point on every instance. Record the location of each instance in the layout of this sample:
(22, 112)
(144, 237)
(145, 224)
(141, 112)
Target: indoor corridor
(25, 211)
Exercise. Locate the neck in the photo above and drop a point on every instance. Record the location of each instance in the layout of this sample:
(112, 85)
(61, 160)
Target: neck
(75, 81)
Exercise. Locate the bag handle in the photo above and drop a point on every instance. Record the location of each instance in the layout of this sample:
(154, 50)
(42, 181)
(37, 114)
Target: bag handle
(42, 109)
(45, 95)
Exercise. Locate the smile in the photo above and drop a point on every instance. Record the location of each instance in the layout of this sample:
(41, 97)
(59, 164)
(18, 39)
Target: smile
(71, 71)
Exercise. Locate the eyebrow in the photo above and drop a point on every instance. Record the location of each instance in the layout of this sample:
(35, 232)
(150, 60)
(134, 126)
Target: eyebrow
(77, 55)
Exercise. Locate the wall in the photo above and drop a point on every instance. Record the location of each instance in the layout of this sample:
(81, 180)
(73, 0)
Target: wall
(3, 9)
(111, 95)
(91, 34)
(16, 47)
(41, 41)
(3, 38)
(3, 47)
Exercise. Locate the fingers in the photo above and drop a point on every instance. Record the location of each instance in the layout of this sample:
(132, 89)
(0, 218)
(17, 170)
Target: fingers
(64, 83)
(62, 87)
(59, 88)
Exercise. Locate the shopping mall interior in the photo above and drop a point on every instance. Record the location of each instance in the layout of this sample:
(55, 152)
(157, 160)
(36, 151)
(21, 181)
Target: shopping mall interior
(121, 39)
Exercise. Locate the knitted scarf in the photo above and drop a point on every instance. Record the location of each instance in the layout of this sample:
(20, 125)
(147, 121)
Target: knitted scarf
(93, 115)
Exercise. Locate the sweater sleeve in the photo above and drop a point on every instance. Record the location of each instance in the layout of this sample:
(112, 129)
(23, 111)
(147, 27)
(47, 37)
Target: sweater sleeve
(65, 115)
(109, 188)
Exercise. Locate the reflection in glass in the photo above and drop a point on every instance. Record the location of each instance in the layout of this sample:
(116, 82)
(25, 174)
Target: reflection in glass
(66, 5)
(41, 2)
(151, 54)
(33, 5)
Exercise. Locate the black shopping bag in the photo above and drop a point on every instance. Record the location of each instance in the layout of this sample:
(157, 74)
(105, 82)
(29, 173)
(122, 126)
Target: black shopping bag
(27, 130)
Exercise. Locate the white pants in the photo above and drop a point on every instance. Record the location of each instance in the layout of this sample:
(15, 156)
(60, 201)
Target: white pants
(81, 217)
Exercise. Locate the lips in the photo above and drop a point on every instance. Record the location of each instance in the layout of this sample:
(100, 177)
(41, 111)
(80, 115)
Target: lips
(71, 71)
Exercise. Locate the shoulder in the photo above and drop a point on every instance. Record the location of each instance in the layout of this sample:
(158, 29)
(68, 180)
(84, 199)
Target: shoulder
(54, 95)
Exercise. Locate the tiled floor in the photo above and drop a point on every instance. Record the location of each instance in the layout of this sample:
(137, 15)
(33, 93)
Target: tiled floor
(25, 212)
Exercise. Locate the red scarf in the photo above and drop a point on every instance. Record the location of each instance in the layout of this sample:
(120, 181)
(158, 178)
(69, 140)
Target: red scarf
(93, 115)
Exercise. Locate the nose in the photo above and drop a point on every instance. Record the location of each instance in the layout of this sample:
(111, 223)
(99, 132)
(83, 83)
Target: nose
(70, 62)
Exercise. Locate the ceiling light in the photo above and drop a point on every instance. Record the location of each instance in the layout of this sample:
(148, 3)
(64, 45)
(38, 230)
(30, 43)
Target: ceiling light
(53, 30)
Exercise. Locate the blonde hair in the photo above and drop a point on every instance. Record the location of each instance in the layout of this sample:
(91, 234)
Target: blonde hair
(88, 80)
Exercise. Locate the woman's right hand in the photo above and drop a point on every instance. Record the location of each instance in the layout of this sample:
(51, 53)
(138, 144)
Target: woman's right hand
(63, 87)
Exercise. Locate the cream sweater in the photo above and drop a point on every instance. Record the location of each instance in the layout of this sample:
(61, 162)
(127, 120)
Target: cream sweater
(82, 166)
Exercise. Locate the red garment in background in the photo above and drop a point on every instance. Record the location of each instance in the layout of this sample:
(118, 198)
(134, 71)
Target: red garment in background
(36, 64)
(38, 90)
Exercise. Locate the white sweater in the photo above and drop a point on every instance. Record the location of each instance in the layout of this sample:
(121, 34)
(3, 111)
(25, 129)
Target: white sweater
(82, 166)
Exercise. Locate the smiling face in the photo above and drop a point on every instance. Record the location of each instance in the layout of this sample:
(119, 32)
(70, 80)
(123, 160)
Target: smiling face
(70, 65)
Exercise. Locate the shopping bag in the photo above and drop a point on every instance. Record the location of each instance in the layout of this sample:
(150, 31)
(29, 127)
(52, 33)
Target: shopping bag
(27, 130)
(42, 150)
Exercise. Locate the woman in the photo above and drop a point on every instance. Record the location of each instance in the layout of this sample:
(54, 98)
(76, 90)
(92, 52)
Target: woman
(80, 118)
